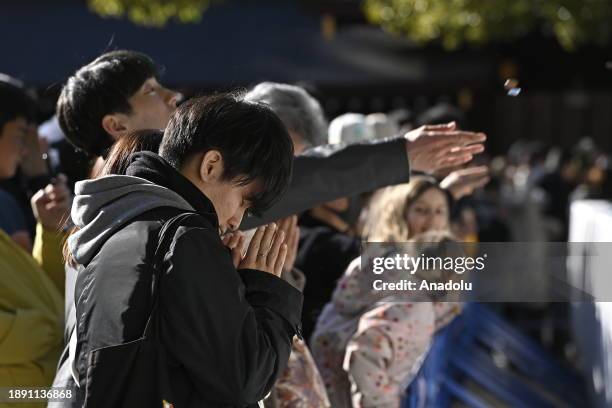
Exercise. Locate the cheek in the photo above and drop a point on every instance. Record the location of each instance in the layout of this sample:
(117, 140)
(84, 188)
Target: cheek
(231, 205)
(415, 221)
(441, 221)
(163, 109)
(9, 159)
(161, 121)
(10, 150)
(150, 116)
(156, 117)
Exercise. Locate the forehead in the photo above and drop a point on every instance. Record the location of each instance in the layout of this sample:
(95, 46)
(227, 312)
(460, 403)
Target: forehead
(432, 196)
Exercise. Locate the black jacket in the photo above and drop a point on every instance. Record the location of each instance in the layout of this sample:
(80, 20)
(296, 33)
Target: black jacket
(324, 173)
(323, 255)
(227, 333)
(321, 174)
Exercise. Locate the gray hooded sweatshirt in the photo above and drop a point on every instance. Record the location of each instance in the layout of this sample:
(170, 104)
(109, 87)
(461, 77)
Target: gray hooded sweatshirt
(100, 208)
(104, 205)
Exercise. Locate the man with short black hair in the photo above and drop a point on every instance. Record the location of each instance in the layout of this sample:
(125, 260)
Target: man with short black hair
(224, 325)
(116, 93)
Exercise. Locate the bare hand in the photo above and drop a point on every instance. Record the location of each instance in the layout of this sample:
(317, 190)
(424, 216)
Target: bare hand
(463, 182)
(51, 205)
(292, 233)
(235, 242)
(434, 147)
(267, 251)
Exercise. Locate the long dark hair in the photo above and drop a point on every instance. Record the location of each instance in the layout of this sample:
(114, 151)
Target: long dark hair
(118, 161)
(118, 158)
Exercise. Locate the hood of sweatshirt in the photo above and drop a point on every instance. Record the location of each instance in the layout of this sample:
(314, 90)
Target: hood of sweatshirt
(104, 205)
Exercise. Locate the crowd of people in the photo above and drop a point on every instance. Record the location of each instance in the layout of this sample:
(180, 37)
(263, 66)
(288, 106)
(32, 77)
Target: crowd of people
(211, 256)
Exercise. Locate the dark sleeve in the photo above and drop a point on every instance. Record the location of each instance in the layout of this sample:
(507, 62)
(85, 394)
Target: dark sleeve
(328, 172)
(11, 216)
(230, 330)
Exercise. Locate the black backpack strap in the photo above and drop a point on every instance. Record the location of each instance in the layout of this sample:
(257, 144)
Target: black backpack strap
(165, 238)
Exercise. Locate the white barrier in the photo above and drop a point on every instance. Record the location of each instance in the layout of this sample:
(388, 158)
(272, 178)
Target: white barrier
(591, 223)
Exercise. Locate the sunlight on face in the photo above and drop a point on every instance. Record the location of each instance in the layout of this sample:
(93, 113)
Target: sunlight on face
(429, 212)
(12, 147)
(152, 106)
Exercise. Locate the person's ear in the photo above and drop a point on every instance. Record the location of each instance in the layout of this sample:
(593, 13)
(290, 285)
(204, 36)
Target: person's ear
(114, 124)
(211, 167)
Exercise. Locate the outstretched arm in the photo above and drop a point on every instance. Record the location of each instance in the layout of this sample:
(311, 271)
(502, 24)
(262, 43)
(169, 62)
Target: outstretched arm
(333, 171)
(328, 172)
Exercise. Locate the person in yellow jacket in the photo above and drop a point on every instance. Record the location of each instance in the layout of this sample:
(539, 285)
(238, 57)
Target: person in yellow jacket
(31, 320)
(31, 288)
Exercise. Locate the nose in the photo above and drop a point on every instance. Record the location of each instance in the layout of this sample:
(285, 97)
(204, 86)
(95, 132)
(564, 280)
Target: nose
(234, 223)
(174, 98)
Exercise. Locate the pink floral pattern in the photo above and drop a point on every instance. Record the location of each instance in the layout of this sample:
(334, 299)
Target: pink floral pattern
(369, 348)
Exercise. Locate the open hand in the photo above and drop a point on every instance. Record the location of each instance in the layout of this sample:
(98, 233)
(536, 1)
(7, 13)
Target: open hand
(434, 147)
(463, 182)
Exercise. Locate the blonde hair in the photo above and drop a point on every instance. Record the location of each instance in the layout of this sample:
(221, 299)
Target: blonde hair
(386, 218)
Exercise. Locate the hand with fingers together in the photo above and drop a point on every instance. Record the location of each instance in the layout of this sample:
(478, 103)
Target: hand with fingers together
(234, 241)
(267, 250)
(434, 147)
(463, 182)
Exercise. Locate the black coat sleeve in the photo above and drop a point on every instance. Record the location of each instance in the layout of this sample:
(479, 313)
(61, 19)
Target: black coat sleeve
(230, 330)
(328, 172)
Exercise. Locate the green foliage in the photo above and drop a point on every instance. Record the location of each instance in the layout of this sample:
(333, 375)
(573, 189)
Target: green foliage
(155, 13)
(455, 22)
